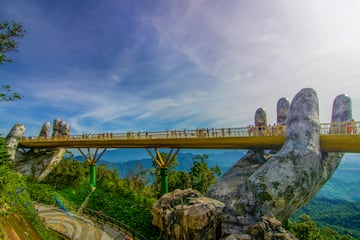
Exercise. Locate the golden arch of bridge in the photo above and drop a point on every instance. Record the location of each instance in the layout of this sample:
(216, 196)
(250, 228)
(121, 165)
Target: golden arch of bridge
(334, 137)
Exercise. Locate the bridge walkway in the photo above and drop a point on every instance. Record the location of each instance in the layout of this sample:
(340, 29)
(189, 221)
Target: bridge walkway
(75, 226)
(334, 137)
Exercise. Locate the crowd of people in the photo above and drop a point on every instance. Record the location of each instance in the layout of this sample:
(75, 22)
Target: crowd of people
(269, 130)
(251, 130)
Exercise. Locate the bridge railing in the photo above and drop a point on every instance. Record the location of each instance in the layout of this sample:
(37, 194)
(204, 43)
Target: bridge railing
(337, 128)
(197, 133)
(270, 130)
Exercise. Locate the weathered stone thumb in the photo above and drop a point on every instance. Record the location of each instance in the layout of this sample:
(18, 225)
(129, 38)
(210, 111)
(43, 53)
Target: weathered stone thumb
(13, 138)
(281, 185)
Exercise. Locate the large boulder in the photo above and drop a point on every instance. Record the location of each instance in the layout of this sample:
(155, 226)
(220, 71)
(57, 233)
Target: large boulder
(186, 214)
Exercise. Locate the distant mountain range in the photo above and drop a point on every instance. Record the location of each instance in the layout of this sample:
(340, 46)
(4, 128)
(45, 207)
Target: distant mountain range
(126, 159)
(343, 185)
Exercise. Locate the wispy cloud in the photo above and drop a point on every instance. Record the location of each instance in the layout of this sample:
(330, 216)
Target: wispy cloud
(183, 64)
(265, 51)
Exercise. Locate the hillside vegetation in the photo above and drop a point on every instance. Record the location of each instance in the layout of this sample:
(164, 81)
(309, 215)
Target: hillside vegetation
(18, 217)
(339, 215)
(130, 199)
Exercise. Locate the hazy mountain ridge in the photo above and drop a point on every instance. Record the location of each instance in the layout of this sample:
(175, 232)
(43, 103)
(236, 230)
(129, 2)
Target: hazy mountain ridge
(222, 159)
(345, 183)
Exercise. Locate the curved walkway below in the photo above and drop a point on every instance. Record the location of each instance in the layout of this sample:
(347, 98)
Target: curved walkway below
(75, 227)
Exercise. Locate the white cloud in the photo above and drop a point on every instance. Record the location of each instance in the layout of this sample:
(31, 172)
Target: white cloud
(199, 62)
(285, 45)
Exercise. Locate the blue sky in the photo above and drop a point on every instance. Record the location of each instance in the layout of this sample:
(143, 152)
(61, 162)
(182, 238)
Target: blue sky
(115, 66)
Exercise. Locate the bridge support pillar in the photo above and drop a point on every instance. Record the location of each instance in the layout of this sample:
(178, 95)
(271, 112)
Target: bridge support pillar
(164, 180)
(91, 160)
(164, 165)
(92, 176)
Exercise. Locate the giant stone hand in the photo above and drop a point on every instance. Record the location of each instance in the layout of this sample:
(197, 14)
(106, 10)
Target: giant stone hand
(255, 187)
(36, 162)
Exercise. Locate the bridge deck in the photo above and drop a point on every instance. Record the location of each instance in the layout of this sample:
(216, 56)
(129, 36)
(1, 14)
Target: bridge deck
(270, 142)
(230, 138)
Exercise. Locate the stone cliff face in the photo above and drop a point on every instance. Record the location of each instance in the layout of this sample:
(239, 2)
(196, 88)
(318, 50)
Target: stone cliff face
(36, 162)
(262, 190)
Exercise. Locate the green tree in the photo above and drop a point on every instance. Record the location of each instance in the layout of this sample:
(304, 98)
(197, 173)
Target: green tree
(201, 176)
(4, 155)
(68, 172)
(306, 229)
(179, 180)
(9, 33)
(137, 179)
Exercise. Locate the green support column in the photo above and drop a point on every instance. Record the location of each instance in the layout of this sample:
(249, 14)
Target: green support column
(92, 176)
(92, 159)
(164, 180)
(163, 165)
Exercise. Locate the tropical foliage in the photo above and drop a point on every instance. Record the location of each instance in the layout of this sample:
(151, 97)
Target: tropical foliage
(307, 229)
(9, 33)
(200, 177)
(15, 198)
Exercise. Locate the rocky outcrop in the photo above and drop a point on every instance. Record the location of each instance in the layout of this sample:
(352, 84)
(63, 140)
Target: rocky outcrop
(261, 190)
(267, 228)
(186, 214)
(36, 162)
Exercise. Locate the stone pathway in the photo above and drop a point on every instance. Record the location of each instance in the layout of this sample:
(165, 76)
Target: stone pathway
(74, 226)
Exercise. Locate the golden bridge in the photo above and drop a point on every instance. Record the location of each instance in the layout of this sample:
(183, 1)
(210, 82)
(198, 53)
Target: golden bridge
(334, 137)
